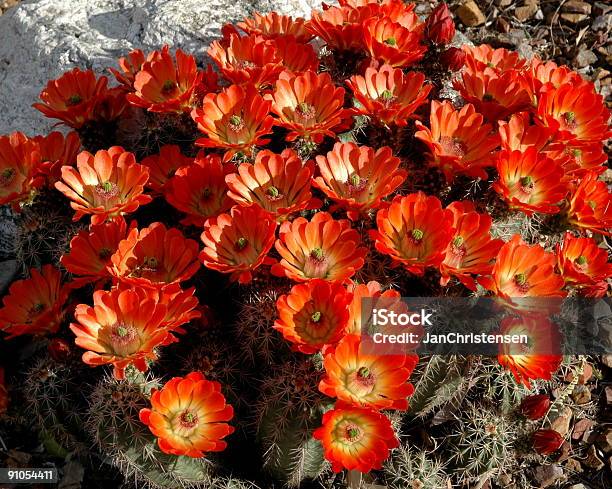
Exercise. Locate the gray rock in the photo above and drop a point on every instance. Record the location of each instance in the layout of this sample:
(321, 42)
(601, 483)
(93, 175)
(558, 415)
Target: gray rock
(585, 58)
(548, 475)
(42, 39)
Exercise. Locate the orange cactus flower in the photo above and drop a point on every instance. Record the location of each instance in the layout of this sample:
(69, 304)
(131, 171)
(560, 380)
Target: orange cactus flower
(296, 57)
(530, 181)
(188, 416)
(579, 158)
(538, 359)
(106, 185)
(34, 305)
(459, 142)
(274, 26)
(522, 270)
(154, 257)
(122, 328)
(415, 231)
(238, 242)
(577, 113)
(471, 250)
(582, 262)
(591, 205)
(388, 94)
(392, 43)
(371, 290)
(518, 133)
(313, 315)
(91, 249)
(19, 161)
(199, 190)
(279, 184)
(72, 98)
(341, 28)
(164, 165)
(356, 438)
(130, 66)
(56, 150)
(495, 96)
(309, 105)
(4, 395)
(357, 177)
(322, 248)
(545, 75)
(375, 381)
(479, 58)
(235, 119)
(162, 85)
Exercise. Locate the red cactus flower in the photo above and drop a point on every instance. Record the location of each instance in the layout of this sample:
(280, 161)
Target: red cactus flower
(308, 105)
(322, 248)
(162, 85)
(154, 257)
(530, 181)
(72, 98)
(375, 381)
(519, 134)
(459, 141)
(540, 357)
(19, 161)
(164, 165)
(199, 190)
(279, 184)
(356, 438)
(579, 158)
(372, 290)
(415, 231)
(106, 185)
(130, 66)
(341, 28)
(535, 406)
(357, 178)
(34, 305)
(4, 395)
(453, 59)
(471, 250)
(392, 43)
(388, 95)
(545, 75)
(296, 57)
(181, 306)
(582, 262)
(59, 350)
(313, 315)
(238, 242)
(591, 205)
(547, 442)
(56, 150)
(247, 59)
(235, 119)
(275, 26)
(91, 249)
(188, 416)
(439, 26)
(482, 57)
(122, 328)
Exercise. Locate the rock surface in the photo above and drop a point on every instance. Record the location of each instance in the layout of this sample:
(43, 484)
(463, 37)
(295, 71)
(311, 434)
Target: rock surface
(41, 39)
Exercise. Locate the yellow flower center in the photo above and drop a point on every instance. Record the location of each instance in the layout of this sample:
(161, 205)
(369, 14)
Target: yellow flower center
(317, 254)
(236, 123)
(272, 192)
(123, 339)
(107, 190)
(306, 110)
(315, 317)
(352, 433)
(188, 419)
(520, 279)
(416, 235)
(387, 95)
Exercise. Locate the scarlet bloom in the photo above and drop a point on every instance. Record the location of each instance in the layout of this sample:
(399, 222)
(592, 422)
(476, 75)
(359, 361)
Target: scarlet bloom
(522, 270)
(482, 57)
(162, 85)
(130, 66)
(199, 190)
(235, 119)
(19, 161)
(238, 242)
(4, 395)
(579, 158)
(322, 248)
(375, 381)
(188, 416)
(439, 26)
(274, 26)
(519, 134)
(163, 166)
(91, 249)
(582, 262)
(530, 181)
(392, 43)
(341, 28)
(357, 178)
(546, 442)
(453, 59)
(415, 231)
(308, 105)
(313, 315)
(535, 406)
(56, 150)
(122, 328)
(155, 256)
(279, 184)
(34, 305)
(296, 57)
(591, 205)
(356, 438)
(471, 250)
(372, 290)
(540, 357)
(458, 140)
(106, 185)
(181, 305)
(388, 94)
(72, 98)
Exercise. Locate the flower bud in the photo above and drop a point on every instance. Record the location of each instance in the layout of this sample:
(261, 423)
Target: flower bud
(439, 26)
(536, 406)
(546, 442)
(59, 349)
(453, 59)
